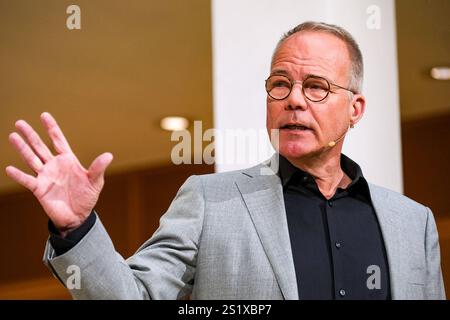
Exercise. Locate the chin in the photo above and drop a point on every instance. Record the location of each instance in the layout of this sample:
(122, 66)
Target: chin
(292, 149)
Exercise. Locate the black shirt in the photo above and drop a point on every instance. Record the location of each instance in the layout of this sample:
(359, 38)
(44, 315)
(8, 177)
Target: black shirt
(337, 245)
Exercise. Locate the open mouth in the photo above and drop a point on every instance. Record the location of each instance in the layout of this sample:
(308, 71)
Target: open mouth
(294, 127)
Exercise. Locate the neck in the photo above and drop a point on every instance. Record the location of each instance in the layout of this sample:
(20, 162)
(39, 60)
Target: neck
(326, 170)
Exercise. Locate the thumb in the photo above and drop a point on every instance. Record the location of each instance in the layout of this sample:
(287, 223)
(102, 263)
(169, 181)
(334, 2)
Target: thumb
(97, 169)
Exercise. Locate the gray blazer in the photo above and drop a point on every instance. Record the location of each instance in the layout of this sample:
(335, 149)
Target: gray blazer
(225, 236)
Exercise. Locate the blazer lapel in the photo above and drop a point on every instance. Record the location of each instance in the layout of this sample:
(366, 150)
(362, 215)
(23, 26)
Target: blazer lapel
(390, 226)
(263, 196)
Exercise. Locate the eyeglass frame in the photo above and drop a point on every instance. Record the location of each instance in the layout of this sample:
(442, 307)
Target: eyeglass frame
(308, 76)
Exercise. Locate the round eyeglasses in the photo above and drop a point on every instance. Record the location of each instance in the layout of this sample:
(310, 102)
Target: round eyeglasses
(314, 88)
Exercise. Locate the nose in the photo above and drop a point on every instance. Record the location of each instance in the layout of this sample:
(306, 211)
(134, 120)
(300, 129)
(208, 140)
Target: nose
(296, 100)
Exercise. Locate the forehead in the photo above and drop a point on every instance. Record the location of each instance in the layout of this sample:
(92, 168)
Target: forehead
(312, 52)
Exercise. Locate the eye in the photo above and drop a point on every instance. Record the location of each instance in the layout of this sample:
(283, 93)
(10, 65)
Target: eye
(281, 83)
(315, 85)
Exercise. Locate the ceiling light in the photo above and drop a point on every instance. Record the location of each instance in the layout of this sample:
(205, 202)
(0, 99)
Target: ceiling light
(174, 123)
(440, 73)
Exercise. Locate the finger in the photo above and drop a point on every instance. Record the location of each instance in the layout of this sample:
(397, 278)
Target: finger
(30, 158)
(98, 167)
(22, 178)
(58, 139)
(34, 140)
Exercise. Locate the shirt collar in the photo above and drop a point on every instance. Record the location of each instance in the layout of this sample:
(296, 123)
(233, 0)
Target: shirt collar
(287, 171)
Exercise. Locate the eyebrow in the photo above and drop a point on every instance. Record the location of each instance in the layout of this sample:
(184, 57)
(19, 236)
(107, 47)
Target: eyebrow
(285, 73)
(279, 72)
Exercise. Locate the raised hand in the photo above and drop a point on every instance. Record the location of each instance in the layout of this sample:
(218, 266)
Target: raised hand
(65, 189)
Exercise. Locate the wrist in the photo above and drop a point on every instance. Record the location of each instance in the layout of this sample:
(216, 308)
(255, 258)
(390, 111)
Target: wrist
(64, 230)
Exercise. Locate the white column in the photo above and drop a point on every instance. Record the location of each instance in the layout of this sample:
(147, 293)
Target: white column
(244, 36)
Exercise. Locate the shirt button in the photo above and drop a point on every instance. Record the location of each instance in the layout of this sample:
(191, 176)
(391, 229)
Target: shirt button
(338, 245)
(330, 203)
(342, 293)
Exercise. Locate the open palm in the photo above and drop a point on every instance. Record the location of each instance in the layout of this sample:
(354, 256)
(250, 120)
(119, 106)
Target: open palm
(66, 190)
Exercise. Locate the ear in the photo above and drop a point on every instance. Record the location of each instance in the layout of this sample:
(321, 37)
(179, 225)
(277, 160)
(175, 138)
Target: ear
(357, 108)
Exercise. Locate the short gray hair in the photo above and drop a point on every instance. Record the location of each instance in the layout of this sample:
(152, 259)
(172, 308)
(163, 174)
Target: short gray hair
(357, 66)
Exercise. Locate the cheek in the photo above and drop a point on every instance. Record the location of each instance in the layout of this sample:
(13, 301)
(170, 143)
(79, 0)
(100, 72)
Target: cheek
(332, 118)
(274, 111)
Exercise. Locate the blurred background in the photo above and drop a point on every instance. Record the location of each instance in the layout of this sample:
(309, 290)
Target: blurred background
(136, 62)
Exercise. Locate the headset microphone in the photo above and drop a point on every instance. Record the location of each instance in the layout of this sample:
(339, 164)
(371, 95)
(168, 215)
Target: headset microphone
(333, 142)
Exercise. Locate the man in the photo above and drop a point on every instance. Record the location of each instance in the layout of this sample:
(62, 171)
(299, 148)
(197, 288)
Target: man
(314, 229)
